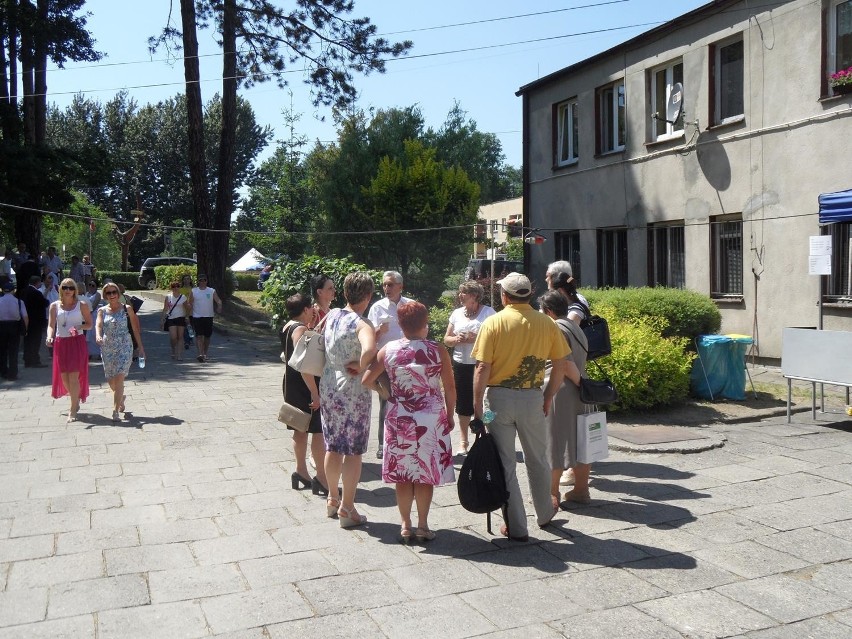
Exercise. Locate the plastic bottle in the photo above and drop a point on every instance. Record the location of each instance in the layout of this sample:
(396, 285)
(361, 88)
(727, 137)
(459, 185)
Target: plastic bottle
(141, 362)
(191, 331)
(488, 416)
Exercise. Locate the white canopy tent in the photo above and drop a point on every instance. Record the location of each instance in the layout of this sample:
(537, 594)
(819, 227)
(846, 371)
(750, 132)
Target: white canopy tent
(251, 261)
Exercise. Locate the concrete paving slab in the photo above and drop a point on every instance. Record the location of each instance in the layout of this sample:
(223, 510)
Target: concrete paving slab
(786, 598)
(354, 624)
(294, 572)
(22, 606)
(615, 623)
(50, 571)
(705, 613)
(82, 627)
(823, 627)
(184, 584)
(438, 617)
(182, 620)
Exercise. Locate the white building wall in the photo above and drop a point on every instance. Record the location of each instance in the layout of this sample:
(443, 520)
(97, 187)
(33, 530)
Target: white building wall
(769, 168)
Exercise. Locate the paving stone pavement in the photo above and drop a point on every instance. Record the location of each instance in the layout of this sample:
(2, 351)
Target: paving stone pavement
(180, 522)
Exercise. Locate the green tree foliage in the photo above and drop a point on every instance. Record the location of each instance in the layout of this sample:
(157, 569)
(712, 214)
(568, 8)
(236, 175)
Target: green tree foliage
(75, 235)
(281, 207)
(460, 143)
(261, 40)
(514, 248)
(31, 175)
(122, 151)
(294, 277)
(411, 193)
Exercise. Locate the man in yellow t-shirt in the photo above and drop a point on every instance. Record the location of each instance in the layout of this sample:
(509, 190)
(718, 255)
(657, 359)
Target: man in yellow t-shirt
(511, 350)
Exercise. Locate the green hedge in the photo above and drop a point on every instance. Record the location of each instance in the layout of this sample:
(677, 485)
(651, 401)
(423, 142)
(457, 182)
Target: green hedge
(247, 281)
(130, 280)
(687, 313)
(167, 274)
(647, 368)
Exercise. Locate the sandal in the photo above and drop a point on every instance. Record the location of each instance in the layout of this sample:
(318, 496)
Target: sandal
(115, 416)
(424, 534)
(350, 518)
(463, 448)
(331, 506)
(406, 534)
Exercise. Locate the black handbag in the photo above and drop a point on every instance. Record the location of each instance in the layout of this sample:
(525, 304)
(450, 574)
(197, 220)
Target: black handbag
(597, 334)
(593, 391)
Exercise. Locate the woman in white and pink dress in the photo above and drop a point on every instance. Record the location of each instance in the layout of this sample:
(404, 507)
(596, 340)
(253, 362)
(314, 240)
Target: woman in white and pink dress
(418, 452)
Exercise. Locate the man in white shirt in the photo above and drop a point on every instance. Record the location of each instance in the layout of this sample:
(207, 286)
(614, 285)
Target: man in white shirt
(202, 300)
(53, 262)
(386, 324)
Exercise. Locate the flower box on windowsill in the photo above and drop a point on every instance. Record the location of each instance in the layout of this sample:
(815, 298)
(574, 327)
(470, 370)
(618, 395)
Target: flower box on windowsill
(842, 89)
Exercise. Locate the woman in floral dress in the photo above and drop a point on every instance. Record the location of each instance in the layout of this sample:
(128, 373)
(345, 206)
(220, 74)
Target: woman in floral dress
(350, 348)
(418, 452)
(112, 333)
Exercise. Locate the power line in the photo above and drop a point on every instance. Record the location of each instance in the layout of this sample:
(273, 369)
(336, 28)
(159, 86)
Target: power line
(526, 229)
(175, 59)
(487, 20)
(271, 74)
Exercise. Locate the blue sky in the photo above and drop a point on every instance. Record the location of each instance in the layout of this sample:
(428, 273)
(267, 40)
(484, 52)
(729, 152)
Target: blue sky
(481, 74)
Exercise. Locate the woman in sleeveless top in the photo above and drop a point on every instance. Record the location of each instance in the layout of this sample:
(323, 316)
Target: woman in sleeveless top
(300, 390)
(113, 336)
(67, 321)
(350, 347)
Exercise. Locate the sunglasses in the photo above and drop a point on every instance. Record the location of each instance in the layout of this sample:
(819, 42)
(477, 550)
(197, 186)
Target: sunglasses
(68, 288)
(110, 293)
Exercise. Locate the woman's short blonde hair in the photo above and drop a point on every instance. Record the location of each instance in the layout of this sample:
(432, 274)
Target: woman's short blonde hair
(357, 287)
(472, 287)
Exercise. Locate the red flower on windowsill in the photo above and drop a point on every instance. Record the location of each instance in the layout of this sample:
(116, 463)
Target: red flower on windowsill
(842, 78)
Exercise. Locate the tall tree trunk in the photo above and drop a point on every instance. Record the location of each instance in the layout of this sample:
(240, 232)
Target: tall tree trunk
(40, 76)
(12, 17)
(206, 247)
(227, 136)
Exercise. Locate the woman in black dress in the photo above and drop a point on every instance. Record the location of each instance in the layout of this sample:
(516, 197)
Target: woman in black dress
(302, 392)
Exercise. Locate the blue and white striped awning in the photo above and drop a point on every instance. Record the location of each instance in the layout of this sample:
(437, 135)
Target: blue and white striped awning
(835, 207)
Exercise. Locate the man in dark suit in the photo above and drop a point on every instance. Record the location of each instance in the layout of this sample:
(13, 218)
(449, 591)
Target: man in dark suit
(36, 305)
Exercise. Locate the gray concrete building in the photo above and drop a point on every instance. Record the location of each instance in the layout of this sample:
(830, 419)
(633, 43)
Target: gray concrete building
(693, 156)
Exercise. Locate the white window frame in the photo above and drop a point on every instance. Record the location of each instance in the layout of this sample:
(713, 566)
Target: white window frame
(612, 97)
(832, 35)
(567, 132)
(672, 131)
(717, 73)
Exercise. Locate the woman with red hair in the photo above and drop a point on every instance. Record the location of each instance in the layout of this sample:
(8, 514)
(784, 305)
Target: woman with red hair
(418, 451)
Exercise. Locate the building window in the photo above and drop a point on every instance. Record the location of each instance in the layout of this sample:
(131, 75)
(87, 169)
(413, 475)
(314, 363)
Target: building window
(838, 285)
(612, 257)
(611, 123)
(663, 80)
(667, 256)
(568, 249)
(726, 258)
(567, 133)
(839, 36)
(727, 81)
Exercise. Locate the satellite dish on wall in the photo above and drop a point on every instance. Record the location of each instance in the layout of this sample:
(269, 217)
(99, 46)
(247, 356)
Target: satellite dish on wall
(674, 105)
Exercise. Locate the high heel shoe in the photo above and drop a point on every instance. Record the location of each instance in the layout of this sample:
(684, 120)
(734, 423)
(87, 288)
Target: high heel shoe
(317, 488)
(331, 506)
(350, 518)
(296, 479)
